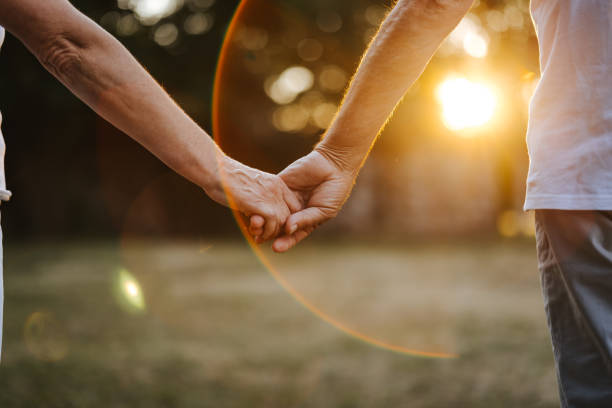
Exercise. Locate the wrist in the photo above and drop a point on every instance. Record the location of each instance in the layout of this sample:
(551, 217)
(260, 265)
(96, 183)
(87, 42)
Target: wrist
(210, 174)
(346, 159)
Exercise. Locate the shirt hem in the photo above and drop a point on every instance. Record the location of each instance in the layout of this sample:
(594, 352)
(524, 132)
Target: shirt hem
(568, 202)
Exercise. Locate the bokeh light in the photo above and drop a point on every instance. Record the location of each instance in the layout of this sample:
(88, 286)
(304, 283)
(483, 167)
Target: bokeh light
(166, 34)
(201, 4)
(329, 21)
(153, 16)
(289, 84)
(333, 78)
(469, 36)
(198, 23)
(292, 118)
(128, 292)
(476, 45)
(127, 25)
(465, 104)
(375, 14)
(323, 114)
(44, 337)
(310, 49)
(252, 38)
(149, 12)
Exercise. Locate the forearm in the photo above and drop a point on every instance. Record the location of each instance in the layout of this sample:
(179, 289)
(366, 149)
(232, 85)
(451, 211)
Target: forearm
(112, 83)
(396, 57)
(102, 73)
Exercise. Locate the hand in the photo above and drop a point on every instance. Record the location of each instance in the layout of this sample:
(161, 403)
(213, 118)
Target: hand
(322, 185)
(251, 191)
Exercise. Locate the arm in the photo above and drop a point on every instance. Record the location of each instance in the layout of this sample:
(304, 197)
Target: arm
(102, 73)
(399, 53)
(397, 56)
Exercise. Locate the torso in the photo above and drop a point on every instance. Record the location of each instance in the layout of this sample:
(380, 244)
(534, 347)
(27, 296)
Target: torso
(570, 125)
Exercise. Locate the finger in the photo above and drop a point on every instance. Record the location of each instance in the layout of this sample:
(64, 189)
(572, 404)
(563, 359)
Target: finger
(294, 175)
(286, 242)
(256, 225)
(292, 200)
(271, 229)
(308, 218)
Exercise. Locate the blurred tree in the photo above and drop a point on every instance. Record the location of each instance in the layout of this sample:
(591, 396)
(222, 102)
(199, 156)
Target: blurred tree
(287, 66)
(73, 174)
(288, 63)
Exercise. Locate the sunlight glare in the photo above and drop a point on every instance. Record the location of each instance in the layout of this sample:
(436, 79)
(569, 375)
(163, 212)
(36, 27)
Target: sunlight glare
(475, 45)
(465, 104)
(149, 12)
(469, 36)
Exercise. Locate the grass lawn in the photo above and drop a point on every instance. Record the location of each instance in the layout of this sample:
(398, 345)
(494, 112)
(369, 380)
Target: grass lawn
(208, 326)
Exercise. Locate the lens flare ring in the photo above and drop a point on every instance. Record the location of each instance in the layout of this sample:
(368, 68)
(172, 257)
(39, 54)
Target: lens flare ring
(217, 131)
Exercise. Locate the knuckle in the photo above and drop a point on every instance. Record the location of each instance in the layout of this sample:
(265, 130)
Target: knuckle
(268, 214)
(269, 182)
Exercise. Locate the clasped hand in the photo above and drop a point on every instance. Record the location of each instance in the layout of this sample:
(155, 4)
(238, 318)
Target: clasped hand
(286, 207)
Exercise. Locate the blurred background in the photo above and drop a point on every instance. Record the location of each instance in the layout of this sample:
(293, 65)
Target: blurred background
(126, 286)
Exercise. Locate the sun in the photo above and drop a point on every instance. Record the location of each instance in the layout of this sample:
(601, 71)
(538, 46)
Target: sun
(465, 104)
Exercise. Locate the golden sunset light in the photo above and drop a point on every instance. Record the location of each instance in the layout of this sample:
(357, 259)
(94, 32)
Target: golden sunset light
(465, 104)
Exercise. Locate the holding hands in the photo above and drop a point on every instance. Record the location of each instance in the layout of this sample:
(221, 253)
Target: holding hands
(252, 191)
(321, 184)
(288, 207)
(322, 180)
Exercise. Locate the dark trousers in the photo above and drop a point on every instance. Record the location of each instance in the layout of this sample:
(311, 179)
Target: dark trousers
(575, 262)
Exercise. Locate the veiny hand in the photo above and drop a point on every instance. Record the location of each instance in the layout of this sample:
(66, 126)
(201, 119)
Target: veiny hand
(323, 187)
(251, 192)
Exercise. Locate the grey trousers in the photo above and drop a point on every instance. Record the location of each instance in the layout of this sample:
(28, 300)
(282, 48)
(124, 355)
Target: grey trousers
(575, 262)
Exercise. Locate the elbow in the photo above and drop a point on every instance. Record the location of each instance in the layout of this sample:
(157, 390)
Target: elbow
(62, 57)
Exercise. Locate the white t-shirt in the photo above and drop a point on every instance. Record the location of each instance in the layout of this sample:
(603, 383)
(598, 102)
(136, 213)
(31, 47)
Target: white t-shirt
(570, 118)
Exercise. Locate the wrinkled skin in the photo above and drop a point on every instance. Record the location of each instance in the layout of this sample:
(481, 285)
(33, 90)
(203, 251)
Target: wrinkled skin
(252, 191)
(322, 186)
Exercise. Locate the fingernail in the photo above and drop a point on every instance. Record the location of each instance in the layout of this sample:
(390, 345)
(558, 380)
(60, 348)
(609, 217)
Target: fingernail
(293, 228)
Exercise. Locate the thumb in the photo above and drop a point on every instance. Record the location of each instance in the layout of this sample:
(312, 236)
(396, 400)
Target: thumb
(292, 199)
(302, 174)
(305, 219)
(292, 177)
(286, 242)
